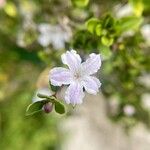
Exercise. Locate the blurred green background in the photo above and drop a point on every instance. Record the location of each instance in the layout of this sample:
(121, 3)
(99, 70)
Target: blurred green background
(33, 35)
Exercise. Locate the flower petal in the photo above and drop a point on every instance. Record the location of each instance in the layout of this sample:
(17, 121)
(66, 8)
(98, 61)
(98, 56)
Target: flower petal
(72, 59)
(92, 64)
(44, 40)
(91, 84)
(59, 76)
(74, 94)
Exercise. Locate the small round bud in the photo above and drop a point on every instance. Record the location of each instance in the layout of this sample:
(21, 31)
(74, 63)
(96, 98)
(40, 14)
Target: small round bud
(48, 107)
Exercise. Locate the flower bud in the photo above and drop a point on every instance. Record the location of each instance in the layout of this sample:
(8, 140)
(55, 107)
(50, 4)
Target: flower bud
(48, 107)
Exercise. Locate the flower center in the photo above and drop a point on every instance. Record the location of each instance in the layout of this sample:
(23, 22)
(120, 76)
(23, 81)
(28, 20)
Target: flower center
(77, 75)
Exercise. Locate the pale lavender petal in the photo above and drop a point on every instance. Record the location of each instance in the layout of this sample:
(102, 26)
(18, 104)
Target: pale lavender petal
(59, 76)
(44, 40)
(72, 59)
(92, 64)
(74, 94)
(91, 84)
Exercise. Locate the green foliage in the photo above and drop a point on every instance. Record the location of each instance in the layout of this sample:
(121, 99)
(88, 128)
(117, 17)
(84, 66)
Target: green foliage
(54, 88)
(138, 6)
(105, 52)
(120, 43)
(129, 23)
(92, 25)
(109, 28)
(80, 3)
(107, 41)
(103, 28)
(36, 107)
(16, 91)
(59, 108)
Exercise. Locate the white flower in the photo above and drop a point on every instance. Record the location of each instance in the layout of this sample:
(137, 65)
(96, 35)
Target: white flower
(78, 76)
(55, 35)
(129, 110)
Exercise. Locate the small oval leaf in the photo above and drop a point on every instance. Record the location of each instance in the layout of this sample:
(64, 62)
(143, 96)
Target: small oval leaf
(35, 107)
(59, 108)
(54, 88)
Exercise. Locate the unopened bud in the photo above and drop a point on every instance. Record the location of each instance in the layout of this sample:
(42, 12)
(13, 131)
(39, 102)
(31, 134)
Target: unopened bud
(48, 107)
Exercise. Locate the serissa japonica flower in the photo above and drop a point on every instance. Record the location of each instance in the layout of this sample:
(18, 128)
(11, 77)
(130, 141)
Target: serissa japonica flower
(78, 76)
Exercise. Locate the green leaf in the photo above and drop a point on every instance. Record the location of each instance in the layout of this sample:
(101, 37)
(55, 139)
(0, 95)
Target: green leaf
(50, 98)
(108, 22)
(98, 30)
(107, 41)
(59, 108)
(129, 23)
(10, 9)
(42, 95)
(35, 107)
(91, 24)
(54, 88)
(146, 5)
(80, 3)
(105, 52)
(138, 6)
